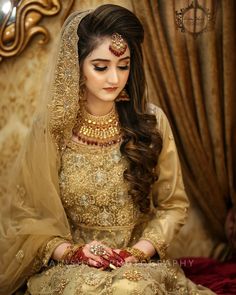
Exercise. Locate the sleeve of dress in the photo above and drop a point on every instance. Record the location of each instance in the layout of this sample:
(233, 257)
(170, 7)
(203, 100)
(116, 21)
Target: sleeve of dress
(43, 254)
(170, 203)
(46, 250)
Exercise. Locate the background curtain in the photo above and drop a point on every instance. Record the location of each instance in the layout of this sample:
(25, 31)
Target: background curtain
(193, 80)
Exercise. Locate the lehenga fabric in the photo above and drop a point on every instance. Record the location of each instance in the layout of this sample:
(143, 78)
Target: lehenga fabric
(66, 191)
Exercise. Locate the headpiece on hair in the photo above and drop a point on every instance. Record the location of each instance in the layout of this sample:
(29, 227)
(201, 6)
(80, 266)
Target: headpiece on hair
(118, 45)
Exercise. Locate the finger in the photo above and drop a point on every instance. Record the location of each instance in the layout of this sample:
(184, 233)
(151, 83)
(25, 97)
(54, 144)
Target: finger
(131, 259)
(91, 255)
(124, 254)
(117, 256)
(93, 263)
(108, 255)
(104, 262)
(116, 262)
(107, 258)
(112, 255)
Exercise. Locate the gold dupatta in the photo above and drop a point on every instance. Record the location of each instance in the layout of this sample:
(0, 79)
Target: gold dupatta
(32, 212)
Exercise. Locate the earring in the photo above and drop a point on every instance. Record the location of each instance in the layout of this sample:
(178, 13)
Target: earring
(123, 96)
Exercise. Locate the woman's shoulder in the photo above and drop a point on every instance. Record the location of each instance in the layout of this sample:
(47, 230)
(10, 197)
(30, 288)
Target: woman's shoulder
(159, 113)
(154, 109)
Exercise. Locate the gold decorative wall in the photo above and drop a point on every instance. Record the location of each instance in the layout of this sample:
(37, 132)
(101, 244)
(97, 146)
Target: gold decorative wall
(19, 23)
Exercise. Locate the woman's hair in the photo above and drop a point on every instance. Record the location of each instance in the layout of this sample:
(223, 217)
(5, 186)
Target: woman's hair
(142, 142)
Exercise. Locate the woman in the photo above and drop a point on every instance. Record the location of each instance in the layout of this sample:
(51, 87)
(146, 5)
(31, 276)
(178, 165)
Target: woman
(99, 192)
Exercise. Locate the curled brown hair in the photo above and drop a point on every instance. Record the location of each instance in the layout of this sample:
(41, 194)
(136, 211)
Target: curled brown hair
(142, 142)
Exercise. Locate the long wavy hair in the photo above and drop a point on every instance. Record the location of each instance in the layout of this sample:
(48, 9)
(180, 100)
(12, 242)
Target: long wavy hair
(142, 142)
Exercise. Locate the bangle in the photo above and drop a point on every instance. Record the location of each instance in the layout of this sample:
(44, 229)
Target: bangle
(138, 254)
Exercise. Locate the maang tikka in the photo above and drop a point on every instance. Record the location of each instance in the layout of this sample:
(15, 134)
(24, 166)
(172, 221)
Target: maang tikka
(118, 45)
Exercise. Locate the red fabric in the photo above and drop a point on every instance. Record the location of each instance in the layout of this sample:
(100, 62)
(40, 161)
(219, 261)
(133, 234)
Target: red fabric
(220, 277)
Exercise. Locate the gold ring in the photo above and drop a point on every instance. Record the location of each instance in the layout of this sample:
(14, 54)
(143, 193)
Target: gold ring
(97, 250)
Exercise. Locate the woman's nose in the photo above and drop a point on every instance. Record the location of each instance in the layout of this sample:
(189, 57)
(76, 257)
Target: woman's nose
(113, 77)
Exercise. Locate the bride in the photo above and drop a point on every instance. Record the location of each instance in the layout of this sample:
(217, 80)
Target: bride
(97, 193)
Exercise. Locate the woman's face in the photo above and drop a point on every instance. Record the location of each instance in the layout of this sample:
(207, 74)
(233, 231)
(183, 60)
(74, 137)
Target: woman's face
(105, 73)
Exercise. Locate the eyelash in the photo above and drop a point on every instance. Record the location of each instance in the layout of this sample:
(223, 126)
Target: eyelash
(101, 69)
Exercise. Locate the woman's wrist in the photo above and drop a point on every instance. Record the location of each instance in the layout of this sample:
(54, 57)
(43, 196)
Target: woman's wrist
(60, 250)
(146, 247)
(74, 254)
(136, 253)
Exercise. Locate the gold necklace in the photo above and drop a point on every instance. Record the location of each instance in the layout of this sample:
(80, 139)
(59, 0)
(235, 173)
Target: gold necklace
(98, 130)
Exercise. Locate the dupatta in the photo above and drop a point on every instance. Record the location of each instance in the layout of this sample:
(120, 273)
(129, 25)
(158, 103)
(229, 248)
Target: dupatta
(31, 208)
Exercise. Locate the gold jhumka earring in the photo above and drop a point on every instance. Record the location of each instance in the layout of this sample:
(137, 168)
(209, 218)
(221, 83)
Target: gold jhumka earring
(118, 45)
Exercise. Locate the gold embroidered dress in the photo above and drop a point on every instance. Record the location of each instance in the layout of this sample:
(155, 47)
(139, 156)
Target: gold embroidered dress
(96, 201)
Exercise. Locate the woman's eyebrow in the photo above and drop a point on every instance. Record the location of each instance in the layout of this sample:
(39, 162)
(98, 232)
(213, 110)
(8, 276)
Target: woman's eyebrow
(107, 60)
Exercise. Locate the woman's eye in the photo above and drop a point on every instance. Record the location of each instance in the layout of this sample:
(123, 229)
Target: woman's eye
(101, 69)
(123, 68)
(96, 68)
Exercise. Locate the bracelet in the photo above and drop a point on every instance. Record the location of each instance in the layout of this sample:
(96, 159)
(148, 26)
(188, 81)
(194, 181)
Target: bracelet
(138, 254)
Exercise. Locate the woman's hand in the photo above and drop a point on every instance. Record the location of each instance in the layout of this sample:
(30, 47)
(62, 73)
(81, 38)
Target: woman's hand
(101, 256)
(87, 254)
(144, 251)
(128, 258)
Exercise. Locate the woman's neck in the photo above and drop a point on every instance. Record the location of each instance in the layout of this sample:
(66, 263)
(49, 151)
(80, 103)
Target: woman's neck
(99, 108)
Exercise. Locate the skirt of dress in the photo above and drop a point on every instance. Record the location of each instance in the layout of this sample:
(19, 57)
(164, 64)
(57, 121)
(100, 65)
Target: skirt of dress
(134, 279)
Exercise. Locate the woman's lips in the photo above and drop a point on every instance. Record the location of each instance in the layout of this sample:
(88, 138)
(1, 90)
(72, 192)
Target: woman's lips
(110, 89)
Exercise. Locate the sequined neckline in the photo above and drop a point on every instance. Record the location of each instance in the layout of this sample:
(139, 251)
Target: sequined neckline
(79, 145)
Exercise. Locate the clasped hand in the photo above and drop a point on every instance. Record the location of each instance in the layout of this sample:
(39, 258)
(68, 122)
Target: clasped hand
(97, 255)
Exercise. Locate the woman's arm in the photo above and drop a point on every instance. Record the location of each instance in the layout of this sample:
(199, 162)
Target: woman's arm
(59, 251)
(168, 195)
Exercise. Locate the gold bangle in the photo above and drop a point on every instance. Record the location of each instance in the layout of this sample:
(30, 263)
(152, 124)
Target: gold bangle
(139, 254)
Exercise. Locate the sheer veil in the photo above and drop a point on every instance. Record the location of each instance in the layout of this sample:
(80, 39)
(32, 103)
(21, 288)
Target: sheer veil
(31, 209)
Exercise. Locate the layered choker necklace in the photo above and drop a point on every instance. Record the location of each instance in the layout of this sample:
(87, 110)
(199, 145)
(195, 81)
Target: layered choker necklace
(98, 130)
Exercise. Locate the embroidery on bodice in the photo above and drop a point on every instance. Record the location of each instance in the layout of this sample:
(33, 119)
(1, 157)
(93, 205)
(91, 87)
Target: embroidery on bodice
(93, 191)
